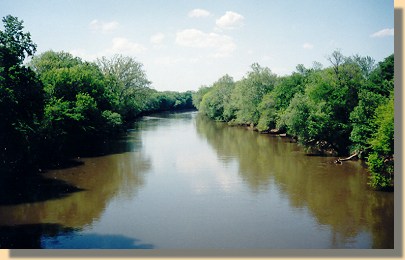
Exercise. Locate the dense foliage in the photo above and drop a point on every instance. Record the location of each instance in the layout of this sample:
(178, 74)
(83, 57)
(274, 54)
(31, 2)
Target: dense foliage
(342, 109)
(21, 95)
(56, 103)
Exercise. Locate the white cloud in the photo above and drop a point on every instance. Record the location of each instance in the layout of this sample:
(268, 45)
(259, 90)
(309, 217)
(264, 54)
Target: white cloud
(104, 27)
(198, 13)
(230, 20)
(157, 38)
(383, 33)
(222, 44)
(308, 46)
(122, 45)
(119, 45)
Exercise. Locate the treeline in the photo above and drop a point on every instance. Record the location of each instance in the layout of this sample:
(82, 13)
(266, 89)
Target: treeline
(346, 108)
(56, 102)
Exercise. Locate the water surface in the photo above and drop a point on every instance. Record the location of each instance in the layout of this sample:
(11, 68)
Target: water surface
(179, 180)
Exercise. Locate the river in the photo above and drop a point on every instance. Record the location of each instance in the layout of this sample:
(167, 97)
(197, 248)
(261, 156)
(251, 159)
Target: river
(179, 180)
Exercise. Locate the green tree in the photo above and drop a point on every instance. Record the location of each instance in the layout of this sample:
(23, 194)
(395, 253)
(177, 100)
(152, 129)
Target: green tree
(216, 103)
(51, 60)
(249, 91)
(198, 96)
(79, 108)
(381, 158)
(16, 45)
(308, 119)
(274, 103)
(268, 112)
(362, 118)
(127, 82)
(366, 64)
(21, 97)
(382, 77)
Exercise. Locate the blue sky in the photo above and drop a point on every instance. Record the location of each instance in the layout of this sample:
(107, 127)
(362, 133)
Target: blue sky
(184, 44)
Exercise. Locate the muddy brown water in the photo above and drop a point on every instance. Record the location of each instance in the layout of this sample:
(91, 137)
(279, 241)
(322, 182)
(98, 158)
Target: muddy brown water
(179, 180)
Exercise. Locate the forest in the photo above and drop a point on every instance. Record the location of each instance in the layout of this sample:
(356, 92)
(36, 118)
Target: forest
(346, 108)
(53, 103)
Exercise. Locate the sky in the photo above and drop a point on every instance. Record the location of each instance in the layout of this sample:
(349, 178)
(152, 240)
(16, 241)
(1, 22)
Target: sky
(186, 44)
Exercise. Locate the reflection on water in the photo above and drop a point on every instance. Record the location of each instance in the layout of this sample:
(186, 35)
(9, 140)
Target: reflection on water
(335, 194)
(179, 180)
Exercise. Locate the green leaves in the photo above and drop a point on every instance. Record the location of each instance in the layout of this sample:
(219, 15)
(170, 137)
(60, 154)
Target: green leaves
(21, 96)
(381, 159)
(249, 92)
(113, 119)
(17, 43)
(216, 102)
(362, 118)
(127, 84)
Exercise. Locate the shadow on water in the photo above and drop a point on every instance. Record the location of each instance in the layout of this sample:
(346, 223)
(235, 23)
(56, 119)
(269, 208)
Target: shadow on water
(28, 189)
(65, 164)
(122, 144)
(29, 236)
(56, 236)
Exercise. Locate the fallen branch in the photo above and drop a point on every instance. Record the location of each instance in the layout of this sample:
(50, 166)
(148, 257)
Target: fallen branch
(340, 160)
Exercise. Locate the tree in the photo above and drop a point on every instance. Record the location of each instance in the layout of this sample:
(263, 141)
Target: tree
(127, 82)
(308, 119)
(268, 112)
(381, 158)
(249, 92)
(21, 96)
(216, 103)
(366, 64)
(362, 118)
(50, 60)
(198, 96)
(382, 77)
(17, 43)
(274, 103)
(78, 107)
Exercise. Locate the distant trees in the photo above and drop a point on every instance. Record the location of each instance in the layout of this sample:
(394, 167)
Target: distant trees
(236, 102)
(169, 101)
(345, 108)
